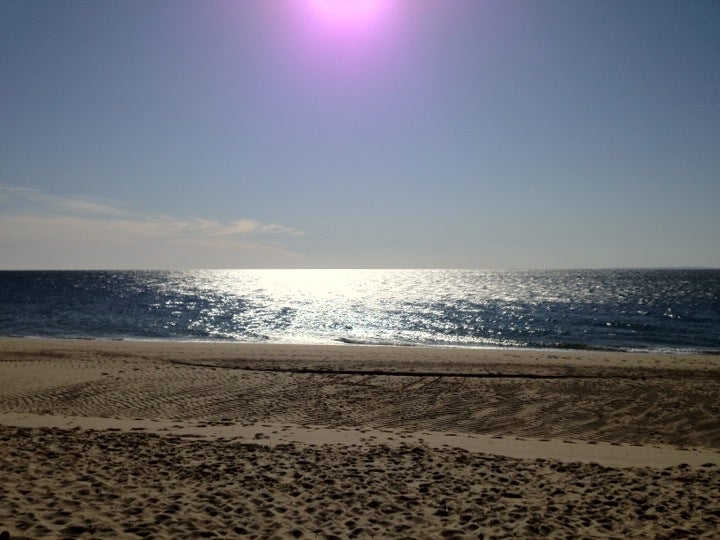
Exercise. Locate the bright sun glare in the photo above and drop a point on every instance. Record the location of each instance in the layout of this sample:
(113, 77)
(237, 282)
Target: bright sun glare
(350, 11)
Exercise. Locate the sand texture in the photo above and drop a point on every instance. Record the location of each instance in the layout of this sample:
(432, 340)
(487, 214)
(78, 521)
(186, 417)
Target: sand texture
(168, 440)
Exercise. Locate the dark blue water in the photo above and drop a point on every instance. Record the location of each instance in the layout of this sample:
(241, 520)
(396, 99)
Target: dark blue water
(650, 310)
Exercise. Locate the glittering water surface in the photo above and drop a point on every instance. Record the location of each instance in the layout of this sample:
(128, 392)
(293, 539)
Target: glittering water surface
(623, 309)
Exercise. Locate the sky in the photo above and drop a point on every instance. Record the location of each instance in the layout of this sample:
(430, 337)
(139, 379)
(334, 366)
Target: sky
(359, 134)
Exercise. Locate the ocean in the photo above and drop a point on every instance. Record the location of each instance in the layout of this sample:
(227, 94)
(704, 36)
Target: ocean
(636, 310)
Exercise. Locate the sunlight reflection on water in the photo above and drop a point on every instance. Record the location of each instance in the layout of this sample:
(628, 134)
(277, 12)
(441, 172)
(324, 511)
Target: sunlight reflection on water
(653, 309)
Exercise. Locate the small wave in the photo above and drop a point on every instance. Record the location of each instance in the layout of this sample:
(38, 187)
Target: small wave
(584, 347)
(351, 341)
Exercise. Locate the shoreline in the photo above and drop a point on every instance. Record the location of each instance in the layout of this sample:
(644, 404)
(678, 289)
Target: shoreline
(341, 342)
(481, 350)
(138, 438)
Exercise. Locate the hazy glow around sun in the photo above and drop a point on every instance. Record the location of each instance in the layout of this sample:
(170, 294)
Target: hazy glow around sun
(343, 37)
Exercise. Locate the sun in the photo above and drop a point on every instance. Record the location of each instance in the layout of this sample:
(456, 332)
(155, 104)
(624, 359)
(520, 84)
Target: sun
(349, 12)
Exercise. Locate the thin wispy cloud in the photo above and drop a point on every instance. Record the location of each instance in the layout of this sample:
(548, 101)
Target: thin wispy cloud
(20, 199)
(34, 223)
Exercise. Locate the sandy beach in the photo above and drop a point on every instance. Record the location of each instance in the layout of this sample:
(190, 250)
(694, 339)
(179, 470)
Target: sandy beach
(105, 439)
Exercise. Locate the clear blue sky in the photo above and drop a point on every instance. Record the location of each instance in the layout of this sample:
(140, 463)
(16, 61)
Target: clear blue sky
(401, 133)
